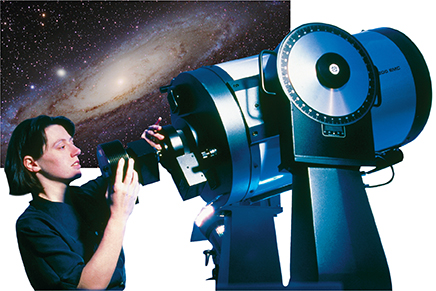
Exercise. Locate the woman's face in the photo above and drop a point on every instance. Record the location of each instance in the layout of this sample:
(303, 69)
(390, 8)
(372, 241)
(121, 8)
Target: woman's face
(59, 160)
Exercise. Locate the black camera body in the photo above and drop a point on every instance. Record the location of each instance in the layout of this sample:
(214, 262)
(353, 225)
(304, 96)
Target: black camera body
(145, 156)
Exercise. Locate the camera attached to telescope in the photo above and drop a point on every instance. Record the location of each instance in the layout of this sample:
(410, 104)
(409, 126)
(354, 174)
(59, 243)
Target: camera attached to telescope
(146, 159)
(182, 164)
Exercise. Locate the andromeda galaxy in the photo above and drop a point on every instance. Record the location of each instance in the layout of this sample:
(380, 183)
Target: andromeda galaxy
(110, 90)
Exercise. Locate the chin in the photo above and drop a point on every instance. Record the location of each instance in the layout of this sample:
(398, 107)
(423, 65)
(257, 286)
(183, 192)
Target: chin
(77, 176)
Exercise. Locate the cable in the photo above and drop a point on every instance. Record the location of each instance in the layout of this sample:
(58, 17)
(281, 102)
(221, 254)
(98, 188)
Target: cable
(383, 184)
(378, 169)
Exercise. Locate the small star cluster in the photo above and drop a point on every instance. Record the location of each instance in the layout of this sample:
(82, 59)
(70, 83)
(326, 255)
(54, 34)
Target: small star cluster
(55, 52)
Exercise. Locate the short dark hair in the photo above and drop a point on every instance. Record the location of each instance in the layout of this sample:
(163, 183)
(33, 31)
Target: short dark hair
(29, 139)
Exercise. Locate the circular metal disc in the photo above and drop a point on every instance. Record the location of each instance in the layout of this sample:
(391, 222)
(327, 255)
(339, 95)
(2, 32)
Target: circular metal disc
(301, 77)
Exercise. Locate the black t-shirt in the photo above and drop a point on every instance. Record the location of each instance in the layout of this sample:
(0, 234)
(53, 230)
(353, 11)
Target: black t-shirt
(56, 240)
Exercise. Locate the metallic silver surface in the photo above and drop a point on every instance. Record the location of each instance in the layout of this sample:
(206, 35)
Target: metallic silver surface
(393, 120)
(334, 103)
(302, 73)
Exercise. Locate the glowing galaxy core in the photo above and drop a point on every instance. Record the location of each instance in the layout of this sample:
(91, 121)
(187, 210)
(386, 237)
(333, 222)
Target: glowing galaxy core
(61, 72)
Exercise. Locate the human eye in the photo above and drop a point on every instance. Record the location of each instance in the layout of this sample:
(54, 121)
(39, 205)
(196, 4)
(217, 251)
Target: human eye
(60, 145)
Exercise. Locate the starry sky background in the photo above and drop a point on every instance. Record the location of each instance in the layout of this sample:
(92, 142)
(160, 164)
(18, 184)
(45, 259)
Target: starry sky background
(49, 49)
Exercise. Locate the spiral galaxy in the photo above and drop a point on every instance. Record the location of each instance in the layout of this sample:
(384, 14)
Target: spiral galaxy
(115, 94)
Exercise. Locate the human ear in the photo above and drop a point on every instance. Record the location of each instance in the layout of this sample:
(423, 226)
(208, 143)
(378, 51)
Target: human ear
(31, 165)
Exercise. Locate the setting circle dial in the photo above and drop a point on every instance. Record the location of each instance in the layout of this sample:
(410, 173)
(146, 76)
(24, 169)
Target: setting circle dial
(327, 74)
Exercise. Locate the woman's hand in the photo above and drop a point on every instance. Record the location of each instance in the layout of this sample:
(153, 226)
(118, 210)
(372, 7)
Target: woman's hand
(124, 193)
(152, 135)
(98, 272)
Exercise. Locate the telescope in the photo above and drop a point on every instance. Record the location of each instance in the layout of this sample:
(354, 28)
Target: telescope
(305, 117)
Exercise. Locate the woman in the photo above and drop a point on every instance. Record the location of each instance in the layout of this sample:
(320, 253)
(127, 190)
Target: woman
(69, 237)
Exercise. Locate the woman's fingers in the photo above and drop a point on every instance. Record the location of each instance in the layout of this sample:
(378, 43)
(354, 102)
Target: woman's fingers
(130, 177)
(129, 173)
(153, 138)
(125, 190)
(120, 171)
(152, 135)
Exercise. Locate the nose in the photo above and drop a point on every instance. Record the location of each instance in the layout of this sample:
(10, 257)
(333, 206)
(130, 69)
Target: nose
(75, 151)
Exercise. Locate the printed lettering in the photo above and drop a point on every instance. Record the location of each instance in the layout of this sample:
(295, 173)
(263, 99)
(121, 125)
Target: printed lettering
(397, 68)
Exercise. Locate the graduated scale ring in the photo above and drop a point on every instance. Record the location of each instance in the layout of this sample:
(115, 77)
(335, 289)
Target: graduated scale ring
(327, 74)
